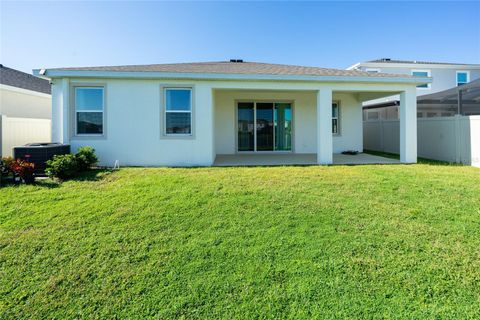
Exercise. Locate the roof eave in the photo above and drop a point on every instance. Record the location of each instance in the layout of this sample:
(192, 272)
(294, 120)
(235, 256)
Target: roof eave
(51, 74)
(417, 65)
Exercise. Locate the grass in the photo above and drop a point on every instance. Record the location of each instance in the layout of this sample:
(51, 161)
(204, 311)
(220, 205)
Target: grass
(391, 241)
(420, 160)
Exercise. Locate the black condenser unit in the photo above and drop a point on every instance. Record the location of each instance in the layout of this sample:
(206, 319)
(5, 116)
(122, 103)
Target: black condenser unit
(39, 153)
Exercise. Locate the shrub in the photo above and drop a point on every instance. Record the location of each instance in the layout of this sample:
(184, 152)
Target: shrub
(5, 170)
(68, 165)
(62, 166)
(5, 164)
(24, 170)
(86, 158)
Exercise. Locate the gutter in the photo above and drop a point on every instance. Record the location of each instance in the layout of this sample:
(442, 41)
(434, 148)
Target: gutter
(50, 74)
(416, 65)
(353, 67)
(393, 103)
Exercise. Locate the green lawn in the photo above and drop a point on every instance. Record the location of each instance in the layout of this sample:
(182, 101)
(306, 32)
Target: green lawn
(392, 241)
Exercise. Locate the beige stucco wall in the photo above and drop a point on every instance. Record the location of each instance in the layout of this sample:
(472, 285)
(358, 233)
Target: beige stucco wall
(20, 103)
(304, 119)
(133, 127)
(133, 118)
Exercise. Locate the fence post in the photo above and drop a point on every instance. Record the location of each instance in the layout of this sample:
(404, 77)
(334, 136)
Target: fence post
(2, 122)
(458, 138)
(382, 133)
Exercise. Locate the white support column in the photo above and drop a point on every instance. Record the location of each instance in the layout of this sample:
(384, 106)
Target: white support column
(60, 104)
(408, 126)
(204, 126)
(324, 126)
(66, 111)
(214, 152)
(3, 120)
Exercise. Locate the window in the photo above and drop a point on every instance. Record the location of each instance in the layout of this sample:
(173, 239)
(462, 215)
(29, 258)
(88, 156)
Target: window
(89, 107)
(335, 118)
(372, 70)
(264, 126)
(422, 73)
(463, 77)
(419, 114)
(178, 111)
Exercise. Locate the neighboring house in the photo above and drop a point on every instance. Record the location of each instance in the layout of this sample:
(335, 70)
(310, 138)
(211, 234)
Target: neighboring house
(448, 125)
(24, 95)
(188, 114)
(25, 109)
(444, 76)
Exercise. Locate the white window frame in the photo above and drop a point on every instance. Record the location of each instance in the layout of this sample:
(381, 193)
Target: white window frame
(337, 117)
(165, 89)
(85, 111)
(372, 70)
(462, 71)
(428, 75)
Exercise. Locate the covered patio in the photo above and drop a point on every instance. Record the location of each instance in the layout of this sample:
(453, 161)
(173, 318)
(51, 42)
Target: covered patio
(252, 128)
(297, 159)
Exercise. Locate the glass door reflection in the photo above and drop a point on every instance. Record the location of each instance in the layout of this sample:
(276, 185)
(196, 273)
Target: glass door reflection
(264, 126)
(246, 126)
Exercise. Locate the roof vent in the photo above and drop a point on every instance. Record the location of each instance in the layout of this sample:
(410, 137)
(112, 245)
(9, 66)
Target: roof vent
(236, 60)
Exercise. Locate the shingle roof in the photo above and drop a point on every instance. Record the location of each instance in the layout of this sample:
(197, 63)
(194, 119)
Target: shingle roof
(19, 79)
(226, 67)
(387, 60)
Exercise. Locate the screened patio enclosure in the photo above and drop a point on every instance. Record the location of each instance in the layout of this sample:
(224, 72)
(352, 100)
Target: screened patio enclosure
(463, 100)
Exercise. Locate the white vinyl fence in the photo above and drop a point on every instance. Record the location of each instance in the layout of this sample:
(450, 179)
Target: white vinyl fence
(452, 139)
(19, 131)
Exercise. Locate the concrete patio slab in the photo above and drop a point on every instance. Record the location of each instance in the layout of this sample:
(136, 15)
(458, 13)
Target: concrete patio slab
(297, 159)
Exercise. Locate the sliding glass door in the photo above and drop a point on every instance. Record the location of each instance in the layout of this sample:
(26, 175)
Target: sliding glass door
(283, 126)
(246, 126)
(264, 126)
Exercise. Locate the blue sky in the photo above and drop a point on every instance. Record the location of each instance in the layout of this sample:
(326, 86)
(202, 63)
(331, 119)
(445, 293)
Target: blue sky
(326, 34)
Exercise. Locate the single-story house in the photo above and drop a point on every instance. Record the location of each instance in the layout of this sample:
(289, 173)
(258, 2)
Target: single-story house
(190, 114)
(25, 109)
